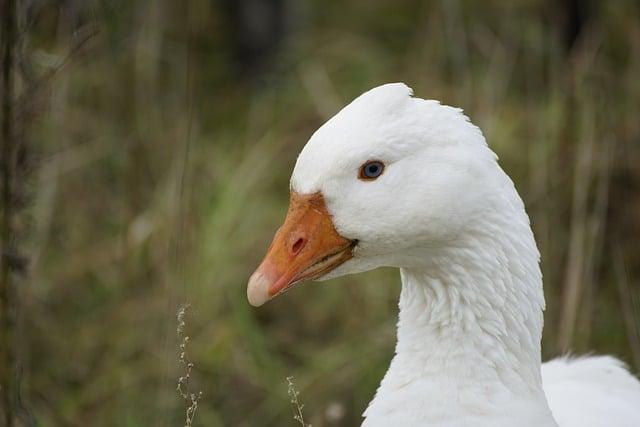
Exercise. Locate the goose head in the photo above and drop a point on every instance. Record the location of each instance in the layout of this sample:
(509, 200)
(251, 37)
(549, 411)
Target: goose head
(390, 180)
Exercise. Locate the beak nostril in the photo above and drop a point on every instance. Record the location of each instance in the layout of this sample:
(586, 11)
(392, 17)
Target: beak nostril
(298, 245)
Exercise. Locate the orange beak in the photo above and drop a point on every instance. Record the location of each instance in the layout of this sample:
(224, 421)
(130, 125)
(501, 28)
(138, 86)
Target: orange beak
(306, 247)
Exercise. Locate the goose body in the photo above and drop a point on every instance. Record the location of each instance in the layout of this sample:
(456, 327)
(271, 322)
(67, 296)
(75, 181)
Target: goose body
(394, 180)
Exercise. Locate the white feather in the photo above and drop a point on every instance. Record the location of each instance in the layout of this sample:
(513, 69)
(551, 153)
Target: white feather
(470, 322)
(595, 391)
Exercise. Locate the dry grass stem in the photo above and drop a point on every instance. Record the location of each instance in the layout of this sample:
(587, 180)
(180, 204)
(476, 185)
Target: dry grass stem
(294, 396)
(191, 399)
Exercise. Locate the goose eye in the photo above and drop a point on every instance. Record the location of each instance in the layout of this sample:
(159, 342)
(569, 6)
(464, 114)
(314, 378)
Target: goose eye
(371, 170)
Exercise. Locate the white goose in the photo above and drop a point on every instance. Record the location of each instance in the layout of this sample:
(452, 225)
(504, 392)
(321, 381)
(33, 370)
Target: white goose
(393, 180)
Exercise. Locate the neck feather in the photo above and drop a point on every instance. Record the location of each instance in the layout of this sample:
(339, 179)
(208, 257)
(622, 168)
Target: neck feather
(469, 329)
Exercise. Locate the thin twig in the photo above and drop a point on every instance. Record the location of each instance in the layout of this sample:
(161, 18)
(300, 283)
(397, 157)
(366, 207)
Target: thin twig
(294, 396)
(191, 399)
(32, 93)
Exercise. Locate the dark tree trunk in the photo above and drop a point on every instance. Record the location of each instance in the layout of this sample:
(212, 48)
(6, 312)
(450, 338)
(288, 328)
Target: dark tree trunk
(575, 14)
(8, 373)
(257, 27)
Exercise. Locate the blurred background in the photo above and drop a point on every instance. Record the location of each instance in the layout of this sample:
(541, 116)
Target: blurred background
(152, 147)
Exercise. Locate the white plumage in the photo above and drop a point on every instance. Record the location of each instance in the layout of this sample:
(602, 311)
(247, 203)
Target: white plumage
(470, 323)
(591, 391)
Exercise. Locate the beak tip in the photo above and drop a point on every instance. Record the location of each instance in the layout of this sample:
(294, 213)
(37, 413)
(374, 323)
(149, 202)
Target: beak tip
(258, 289)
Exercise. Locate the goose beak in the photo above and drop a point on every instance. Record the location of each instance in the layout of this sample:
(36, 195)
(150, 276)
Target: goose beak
(306, 247)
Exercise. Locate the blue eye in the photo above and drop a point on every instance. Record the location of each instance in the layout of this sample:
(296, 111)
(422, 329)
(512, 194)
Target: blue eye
(371, 170)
